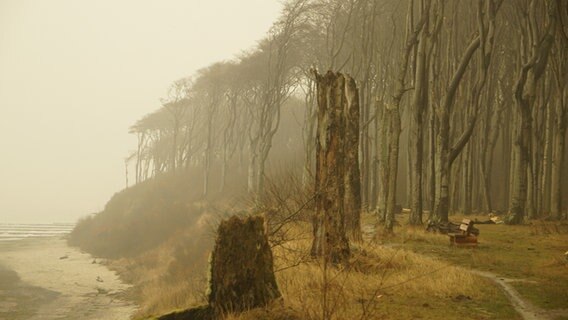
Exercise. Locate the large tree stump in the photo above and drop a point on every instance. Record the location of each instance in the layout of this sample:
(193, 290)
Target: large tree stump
(337, 183)
(241, 274)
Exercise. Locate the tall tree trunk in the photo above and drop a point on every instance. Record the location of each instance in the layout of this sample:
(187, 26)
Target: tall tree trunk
(393, 152)
(365, 150)
(468, 195)
(432, 168)
(520, 149)
(544, 203)
(382, 154)
(352, 172)
(330, 240)
(556, 187)
(393, 112)
(418, 107)
(442, 204)
(445, 156)
(525, 96)
(483, 43)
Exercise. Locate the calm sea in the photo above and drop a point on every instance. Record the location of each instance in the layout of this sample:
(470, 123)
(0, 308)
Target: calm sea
(13, 232)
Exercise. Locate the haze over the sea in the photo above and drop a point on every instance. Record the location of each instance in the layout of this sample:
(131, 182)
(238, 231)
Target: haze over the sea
(76, 74)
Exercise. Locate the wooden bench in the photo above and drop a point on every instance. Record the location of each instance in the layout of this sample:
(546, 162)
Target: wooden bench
(465, 237)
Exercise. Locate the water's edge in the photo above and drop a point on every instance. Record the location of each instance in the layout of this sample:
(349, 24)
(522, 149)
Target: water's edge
(44, 278)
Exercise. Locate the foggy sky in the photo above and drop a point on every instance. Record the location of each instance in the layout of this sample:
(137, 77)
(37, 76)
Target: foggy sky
(74, 75)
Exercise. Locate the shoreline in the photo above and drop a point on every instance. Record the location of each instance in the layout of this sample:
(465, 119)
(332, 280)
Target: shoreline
(19, 300)
(44, 278)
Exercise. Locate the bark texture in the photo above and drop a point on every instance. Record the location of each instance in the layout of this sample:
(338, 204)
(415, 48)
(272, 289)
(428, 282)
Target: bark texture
(335, 97)
(242, 273)
(352, 172)
(525, 95)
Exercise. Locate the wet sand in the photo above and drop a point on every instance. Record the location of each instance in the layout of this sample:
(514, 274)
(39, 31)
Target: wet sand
(45, 279)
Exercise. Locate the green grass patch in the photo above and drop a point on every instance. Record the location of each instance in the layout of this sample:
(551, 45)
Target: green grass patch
(533, 253)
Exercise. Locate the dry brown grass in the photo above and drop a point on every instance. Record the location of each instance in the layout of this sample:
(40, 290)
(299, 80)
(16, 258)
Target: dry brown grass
(170, 277)
(160, 297)
(375, 273)
(384, 280)
(156, 290)
(381, 282)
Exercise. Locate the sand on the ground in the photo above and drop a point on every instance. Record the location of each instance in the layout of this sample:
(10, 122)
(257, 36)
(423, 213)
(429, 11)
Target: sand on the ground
(46, 279)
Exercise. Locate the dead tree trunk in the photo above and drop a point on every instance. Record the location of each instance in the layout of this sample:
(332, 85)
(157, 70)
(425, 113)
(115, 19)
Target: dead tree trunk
(242, 272)
(329, 220)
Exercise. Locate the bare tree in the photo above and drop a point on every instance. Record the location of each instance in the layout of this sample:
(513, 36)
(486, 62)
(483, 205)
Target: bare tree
(176, 105)
(392, 121)
(560, 71)
(531, 71)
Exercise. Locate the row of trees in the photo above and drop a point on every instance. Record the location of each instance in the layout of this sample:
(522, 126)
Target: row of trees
(227, 110)
(463, 105)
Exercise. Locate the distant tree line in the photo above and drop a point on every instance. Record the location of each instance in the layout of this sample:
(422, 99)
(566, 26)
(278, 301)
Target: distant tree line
(463, 105)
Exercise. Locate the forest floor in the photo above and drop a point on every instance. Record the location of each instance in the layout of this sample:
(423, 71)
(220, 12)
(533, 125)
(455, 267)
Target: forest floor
(516, 272)
(528, 262)
(382, 281)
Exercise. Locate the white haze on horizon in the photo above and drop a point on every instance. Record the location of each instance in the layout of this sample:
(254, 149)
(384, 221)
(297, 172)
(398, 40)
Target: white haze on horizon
(74, 75)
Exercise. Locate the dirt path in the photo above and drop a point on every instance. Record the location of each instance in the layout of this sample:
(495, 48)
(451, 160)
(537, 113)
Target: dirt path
(527, 310)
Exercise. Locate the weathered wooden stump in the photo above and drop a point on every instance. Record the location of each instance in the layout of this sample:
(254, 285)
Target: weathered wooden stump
(337, 185)
(242, 273)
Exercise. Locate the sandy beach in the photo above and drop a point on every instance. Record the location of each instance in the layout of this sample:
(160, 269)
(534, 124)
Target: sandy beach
(45, 279)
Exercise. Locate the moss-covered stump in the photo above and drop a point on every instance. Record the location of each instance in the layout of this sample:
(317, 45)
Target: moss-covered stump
(242, 273)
